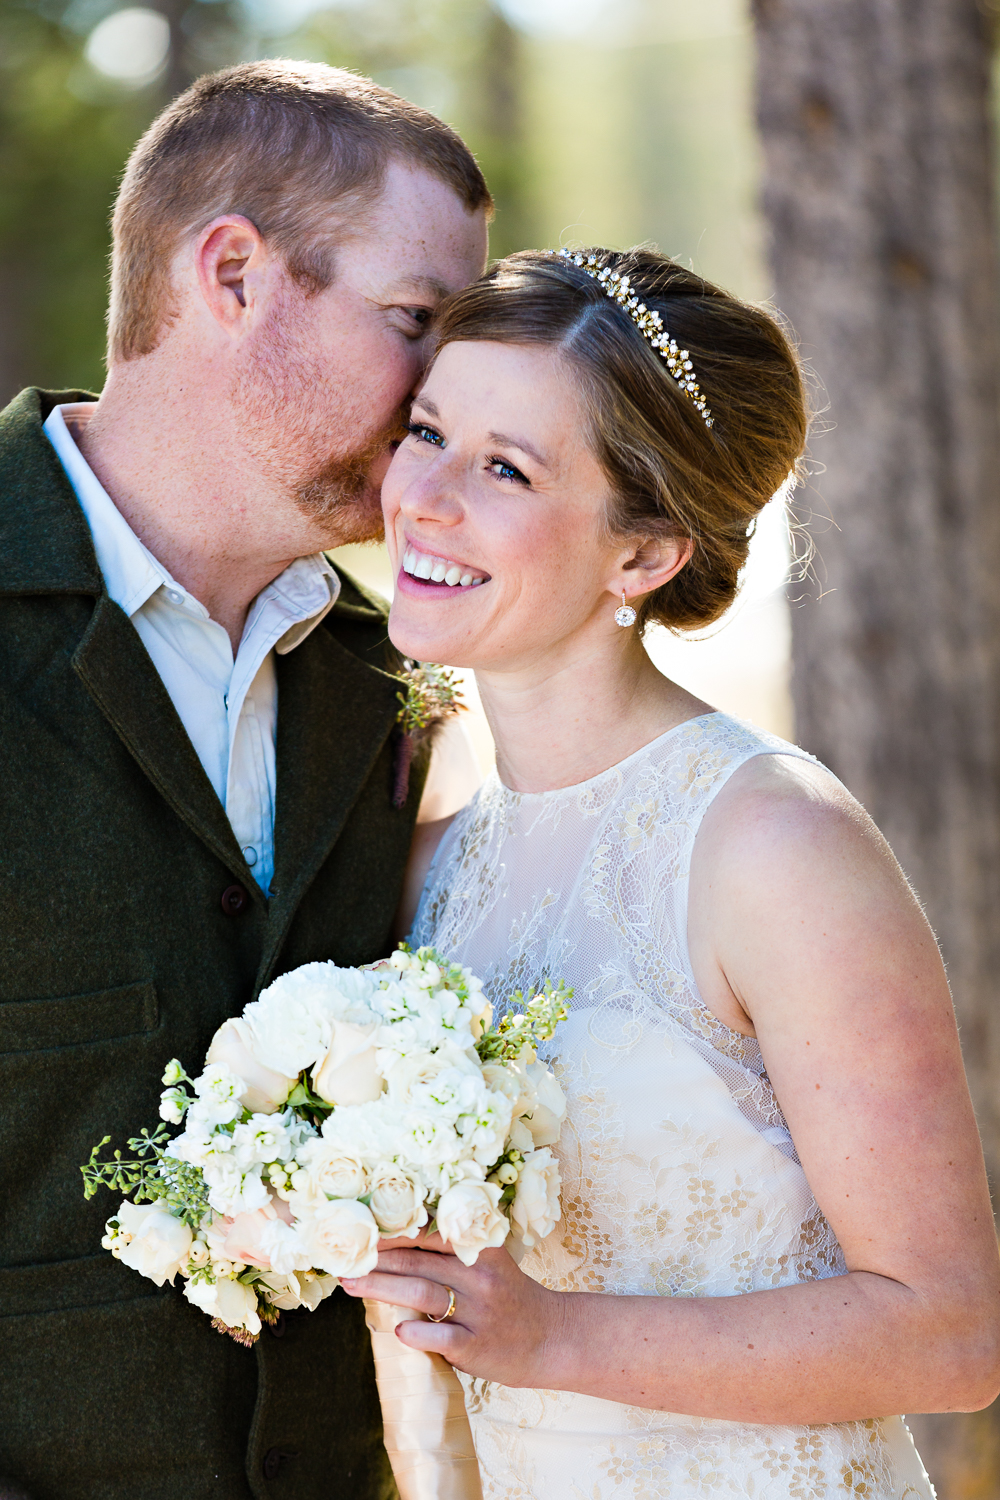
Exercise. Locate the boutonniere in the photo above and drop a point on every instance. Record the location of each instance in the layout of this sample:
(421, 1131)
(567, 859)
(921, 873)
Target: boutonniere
(429, 694)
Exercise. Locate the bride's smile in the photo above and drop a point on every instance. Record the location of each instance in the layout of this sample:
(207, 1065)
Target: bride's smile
(496, 517)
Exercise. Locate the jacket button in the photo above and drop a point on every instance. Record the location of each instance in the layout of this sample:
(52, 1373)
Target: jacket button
(234, 899)
(273, 1460)
(275, 1329)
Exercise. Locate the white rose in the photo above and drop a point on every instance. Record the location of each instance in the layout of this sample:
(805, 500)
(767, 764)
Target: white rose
(468, 1217)
(151, 1241)
(326, 1171)
(266, 1089)
(349, 1073)
(506, 1079)
(535, 1210)
(482, 1018)
(230, 1301)
(549, 1108)
(342, 1238)
(396, 1201)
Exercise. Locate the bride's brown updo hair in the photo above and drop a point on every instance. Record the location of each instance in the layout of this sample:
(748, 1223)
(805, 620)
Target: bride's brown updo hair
(669, 473)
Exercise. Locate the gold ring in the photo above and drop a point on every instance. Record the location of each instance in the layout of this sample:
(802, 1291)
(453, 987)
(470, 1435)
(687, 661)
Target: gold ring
(448, 1312)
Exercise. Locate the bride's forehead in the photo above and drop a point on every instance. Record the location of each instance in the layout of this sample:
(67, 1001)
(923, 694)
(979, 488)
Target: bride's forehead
(533, 379)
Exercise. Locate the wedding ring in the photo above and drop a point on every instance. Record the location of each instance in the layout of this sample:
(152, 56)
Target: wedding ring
(449, 1310)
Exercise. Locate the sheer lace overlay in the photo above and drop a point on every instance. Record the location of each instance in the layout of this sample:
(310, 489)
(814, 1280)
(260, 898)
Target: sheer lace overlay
(680, 1178)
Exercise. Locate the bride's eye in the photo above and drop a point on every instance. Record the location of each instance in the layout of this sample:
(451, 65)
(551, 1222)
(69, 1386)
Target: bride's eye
(425, 434)
(503, 470)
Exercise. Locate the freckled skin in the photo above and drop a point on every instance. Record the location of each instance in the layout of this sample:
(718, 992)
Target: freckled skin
(209, 481)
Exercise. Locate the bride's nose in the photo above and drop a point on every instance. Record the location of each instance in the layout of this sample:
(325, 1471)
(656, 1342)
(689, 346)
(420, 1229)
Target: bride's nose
(435, 496)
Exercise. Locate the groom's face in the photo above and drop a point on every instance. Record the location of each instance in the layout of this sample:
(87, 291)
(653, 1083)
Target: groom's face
(323, 383)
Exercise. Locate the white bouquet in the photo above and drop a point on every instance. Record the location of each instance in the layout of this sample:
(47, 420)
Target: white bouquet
(343, 1105)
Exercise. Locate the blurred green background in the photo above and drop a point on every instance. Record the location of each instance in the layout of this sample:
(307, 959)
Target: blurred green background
(619, 122)
(608, 121)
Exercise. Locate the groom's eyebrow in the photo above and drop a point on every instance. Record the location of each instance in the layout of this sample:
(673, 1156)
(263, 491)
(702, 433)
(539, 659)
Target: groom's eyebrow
(422, 286)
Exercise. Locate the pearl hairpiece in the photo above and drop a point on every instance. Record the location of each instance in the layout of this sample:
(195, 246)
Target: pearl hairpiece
(650, 325)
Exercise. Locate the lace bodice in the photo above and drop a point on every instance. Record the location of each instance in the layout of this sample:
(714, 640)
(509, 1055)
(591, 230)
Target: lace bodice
(679, 1174)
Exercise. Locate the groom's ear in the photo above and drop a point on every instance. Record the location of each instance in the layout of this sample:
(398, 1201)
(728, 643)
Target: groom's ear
(228, 254)
(654, 561)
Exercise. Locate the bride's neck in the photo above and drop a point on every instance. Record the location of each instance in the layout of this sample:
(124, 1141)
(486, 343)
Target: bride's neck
(559, 723)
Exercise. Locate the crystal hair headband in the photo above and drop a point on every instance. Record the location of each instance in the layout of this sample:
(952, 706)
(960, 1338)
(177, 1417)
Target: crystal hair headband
(650, 325)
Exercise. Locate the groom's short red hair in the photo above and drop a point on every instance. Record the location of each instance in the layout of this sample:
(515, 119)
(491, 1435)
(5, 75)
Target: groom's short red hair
(295, 147)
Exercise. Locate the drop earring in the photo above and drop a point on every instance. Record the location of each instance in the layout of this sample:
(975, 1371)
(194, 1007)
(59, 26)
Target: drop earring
(625, 616)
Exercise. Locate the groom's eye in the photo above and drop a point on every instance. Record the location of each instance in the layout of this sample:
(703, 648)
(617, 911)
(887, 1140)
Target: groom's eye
(421, 316)
(425, 434)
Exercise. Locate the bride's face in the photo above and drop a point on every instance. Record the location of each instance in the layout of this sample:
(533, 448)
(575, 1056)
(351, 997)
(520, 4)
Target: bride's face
(494, 510)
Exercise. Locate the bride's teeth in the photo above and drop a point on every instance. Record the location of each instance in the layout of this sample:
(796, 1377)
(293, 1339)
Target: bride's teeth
(423, 568)
(475, 581)
(453, 575)
(438, 572)
(408, 561)
(465, 580)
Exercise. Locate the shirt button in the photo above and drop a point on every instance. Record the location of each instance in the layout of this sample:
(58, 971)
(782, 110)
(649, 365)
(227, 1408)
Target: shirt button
(175, 597)
(250, 855)
(234, 899)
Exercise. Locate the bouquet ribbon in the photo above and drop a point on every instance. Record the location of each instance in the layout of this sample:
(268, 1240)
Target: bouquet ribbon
(427, 1433)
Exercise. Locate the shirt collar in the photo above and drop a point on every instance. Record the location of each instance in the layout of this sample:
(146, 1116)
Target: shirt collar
(305, 592)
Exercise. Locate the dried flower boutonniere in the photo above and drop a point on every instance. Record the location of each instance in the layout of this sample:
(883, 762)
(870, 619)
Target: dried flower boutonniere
(430, 694)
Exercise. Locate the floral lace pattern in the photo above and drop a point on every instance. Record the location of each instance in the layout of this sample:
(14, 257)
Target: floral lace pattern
(680, 1178)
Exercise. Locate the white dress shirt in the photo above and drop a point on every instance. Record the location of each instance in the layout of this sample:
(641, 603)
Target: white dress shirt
(229, 708)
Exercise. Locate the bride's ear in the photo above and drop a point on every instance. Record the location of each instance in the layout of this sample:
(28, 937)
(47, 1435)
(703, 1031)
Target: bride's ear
(652, 563)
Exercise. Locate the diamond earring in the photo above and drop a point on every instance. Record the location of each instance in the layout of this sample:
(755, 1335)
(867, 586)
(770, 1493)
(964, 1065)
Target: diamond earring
(625, 616)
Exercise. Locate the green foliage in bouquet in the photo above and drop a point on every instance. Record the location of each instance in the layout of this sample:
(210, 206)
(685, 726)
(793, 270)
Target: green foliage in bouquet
(149, 1176)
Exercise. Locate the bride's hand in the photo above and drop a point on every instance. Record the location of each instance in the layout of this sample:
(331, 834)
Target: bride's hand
(503, 1326)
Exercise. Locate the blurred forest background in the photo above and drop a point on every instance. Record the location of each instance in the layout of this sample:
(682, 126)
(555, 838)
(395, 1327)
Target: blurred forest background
(611, 121)
(834, 155)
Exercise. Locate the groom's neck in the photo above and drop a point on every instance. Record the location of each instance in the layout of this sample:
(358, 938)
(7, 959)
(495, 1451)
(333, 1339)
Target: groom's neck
(166, 448)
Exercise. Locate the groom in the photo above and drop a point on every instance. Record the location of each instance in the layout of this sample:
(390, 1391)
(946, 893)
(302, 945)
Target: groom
(197, 714)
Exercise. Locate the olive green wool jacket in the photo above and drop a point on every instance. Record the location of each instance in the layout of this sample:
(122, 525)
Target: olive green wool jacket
(116, 954)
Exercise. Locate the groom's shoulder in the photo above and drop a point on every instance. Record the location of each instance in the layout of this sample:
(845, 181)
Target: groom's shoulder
(44, 540)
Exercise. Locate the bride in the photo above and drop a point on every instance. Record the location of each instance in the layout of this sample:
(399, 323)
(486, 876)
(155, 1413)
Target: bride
(776, 1226)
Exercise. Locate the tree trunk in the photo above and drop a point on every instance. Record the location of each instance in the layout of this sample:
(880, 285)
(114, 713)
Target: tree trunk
(875, 124)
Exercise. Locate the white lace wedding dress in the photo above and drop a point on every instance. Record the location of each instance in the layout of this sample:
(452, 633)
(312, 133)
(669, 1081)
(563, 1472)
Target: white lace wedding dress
(679, 1175)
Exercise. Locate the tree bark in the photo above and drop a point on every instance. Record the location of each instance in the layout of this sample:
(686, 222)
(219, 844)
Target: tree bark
(878, 191)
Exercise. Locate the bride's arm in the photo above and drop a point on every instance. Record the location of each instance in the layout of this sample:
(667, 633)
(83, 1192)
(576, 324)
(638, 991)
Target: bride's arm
(803, 929)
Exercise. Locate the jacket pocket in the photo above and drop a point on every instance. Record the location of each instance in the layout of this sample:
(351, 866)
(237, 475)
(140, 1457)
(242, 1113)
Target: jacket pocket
(84, 1282)
(31, 1025)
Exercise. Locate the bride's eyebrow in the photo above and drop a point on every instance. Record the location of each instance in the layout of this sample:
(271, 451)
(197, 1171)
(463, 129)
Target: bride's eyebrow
(503, 441)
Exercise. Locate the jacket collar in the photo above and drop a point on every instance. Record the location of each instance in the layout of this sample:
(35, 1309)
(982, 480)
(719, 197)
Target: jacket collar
(45, 545)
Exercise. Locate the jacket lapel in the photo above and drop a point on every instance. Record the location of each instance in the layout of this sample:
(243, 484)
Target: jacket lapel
(115, 668)
(45, 548)
(335, 713)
